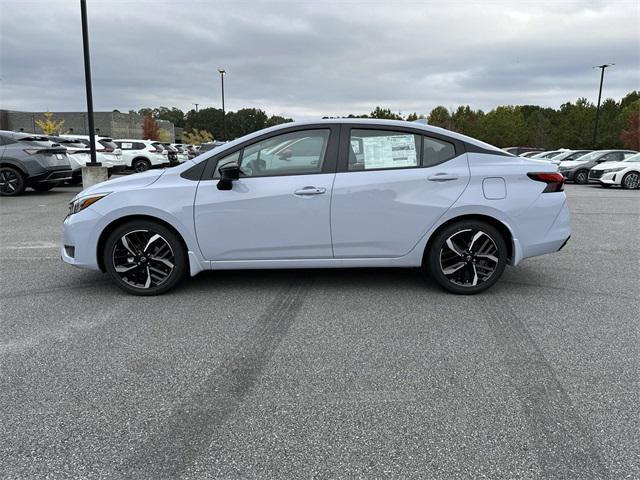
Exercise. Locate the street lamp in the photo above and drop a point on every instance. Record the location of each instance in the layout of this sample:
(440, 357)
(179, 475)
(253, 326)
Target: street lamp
(595, 127)
(224, 126)
(87, 79)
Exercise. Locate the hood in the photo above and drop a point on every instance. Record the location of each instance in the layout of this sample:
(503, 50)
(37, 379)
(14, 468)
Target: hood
(606, 165)
(572, 163)
(130, 182)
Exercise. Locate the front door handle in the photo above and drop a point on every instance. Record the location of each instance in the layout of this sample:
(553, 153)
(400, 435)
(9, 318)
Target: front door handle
(442, 177)
(306, 191)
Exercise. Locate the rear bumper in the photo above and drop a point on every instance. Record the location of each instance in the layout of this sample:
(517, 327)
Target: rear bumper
(543, 239)
(51, 176)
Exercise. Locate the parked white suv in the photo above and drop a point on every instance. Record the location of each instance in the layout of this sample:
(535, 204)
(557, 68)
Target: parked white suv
(107, 152)
(141, 155)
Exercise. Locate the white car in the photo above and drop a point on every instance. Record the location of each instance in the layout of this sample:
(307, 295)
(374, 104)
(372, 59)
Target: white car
(183, 156)
(339, 193)
(625, 173)
(141, 155)
(107, 152)
(78, 153)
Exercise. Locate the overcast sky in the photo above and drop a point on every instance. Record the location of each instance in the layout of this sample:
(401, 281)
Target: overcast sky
(307, 59)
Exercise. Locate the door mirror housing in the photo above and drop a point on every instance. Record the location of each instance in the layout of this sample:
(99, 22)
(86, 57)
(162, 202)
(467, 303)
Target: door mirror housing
(228, 173)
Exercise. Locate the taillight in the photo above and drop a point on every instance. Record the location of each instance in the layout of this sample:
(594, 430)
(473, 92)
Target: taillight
(107, 150)
(554, 180)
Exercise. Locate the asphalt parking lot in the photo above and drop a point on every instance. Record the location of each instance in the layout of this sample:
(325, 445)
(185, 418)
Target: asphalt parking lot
(341, 373)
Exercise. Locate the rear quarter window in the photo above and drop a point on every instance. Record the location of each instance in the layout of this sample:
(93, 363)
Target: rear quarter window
(436, 151)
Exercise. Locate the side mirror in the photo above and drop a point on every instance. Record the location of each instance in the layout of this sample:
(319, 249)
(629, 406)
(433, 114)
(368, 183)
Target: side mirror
(228, 173)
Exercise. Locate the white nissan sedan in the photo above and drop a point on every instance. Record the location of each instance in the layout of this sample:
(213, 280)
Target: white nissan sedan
(325, 194)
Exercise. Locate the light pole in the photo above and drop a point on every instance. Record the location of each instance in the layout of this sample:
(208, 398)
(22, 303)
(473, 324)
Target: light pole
(87, 79)
(595, 127)
(224, 126)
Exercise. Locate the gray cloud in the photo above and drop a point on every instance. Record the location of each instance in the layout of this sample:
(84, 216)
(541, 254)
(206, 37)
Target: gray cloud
(308, 59)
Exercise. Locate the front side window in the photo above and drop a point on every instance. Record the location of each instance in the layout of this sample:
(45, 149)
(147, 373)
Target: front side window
(436, 151)
(296, 153)
(381, 149)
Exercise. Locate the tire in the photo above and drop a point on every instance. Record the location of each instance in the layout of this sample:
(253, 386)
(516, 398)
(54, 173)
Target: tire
(43, 187)
(631, 181)
(463, 247)
(148, 247)
(581, 177)
(12, 182)
(141, 165)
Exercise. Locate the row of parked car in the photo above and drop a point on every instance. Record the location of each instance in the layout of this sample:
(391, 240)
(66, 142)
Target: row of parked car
(606, 167)
(45, 161)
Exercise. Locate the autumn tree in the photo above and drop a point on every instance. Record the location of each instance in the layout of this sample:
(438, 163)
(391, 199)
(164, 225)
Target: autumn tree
(150, 128)
(197, 137)
(49, 126)
(630, 136)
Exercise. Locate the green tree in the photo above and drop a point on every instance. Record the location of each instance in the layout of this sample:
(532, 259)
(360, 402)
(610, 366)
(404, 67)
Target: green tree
(385, 113)
(505, 127)
(467, 121)
(440, 117)
(173, 115)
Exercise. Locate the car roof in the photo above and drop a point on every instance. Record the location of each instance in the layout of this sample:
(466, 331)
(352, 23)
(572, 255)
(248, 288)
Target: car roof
(21, 135)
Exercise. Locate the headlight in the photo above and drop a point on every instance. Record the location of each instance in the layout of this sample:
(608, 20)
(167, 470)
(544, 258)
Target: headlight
(609, 170)
(81, 203)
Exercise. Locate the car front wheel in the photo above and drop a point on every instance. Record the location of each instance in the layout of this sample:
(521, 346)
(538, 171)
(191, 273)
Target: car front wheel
(631, 180)
(467, 257)
(144, 258)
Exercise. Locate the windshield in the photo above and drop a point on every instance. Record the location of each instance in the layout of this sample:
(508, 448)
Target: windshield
(590, 156)
(634, 158)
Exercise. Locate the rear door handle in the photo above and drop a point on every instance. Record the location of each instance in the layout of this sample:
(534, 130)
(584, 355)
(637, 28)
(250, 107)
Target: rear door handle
(442, 177)
(307, 191)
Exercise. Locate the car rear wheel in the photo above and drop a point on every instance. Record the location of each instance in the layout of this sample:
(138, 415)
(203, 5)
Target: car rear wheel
(141, 165)
(11, 182)
(144, 258)
(467, 257)
(581, 177)
(631, 180)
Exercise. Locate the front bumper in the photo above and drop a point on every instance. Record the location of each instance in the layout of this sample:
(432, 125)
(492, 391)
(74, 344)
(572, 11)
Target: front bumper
(80, 234)
(610, 178)
(568, 174)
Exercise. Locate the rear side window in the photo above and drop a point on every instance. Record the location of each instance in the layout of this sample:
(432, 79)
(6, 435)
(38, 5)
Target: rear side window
(108, 144)
(436, 151)
(382, 149)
